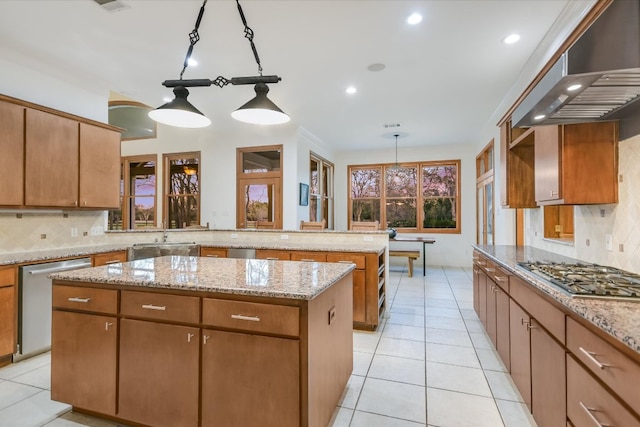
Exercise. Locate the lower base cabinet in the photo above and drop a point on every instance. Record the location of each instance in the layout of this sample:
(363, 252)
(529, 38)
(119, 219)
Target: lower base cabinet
(158, 365)
(244, 386)
(84, 347)
(520, 350)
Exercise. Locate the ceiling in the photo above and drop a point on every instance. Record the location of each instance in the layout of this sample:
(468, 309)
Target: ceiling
(443, 78)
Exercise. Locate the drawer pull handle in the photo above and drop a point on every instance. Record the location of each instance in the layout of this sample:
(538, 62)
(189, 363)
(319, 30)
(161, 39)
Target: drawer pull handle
(272, 258)
(501, 278)
(113, 261)
(154, 307)
(307, 260)
(494, 289)
(107, 325)
(205, 338)
(592, 356)
(490, 270)
(249, 318)
(212, 256)
(189, 336)
(78, 299)
(346, 262)
(589, 412)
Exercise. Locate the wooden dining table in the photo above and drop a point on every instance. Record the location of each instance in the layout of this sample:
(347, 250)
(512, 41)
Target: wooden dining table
(425, 241)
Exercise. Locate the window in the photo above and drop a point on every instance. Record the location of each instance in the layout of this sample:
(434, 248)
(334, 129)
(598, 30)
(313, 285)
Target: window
(484, 196)
(137, 194)
(259, 187)
(321, 191)
(418, 197)
(182, 190)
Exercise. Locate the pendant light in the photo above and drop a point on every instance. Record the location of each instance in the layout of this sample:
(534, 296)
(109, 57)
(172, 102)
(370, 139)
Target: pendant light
(396, 166)
(181, 113)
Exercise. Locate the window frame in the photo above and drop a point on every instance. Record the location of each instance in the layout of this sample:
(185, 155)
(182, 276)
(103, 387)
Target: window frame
(166, 185)
(125, 188)
(322, 200)
(383, 167)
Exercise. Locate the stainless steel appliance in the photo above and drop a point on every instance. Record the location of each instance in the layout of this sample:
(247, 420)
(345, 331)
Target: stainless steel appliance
(588, 280)
(34, 296)
(153, 250)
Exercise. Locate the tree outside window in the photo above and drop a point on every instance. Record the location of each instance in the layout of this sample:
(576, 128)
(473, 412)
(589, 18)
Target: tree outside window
(365, 193)
(182, 184)
(439, 193)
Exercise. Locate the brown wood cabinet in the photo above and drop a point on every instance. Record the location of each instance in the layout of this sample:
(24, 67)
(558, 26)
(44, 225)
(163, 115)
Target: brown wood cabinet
(51, 160)
(99, 174)
(158, 371)
(84, 348)
(520, 338)
(213, 252)
(576, 164)
(273, 254)
(8, 312)
(12, 159)
(517, 161)
(107, 258)
(308, 256)
(237, 380)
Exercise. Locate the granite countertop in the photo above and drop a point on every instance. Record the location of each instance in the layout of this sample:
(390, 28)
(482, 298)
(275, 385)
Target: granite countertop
(300, 246)
(253, 277)
(51, 254)
(620, 319)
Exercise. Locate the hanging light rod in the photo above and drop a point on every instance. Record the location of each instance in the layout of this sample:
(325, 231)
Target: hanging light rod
(259, 110)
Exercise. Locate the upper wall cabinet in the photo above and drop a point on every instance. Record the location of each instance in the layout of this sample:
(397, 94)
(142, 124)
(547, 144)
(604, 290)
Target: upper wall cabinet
(68, 161)
(12, 158)
(517, 167)
(576, 164)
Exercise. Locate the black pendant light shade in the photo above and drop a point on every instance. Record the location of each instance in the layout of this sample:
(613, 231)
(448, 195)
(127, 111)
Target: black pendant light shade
(180, 112)
(261, 110)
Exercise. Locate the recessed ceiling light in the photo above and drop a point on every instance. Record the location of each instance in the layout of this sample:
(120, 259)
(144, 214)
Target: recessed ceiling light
(351, 90)
(192, 62)
(574, 87)
(539, 117)
(511, 39)
(414, 18)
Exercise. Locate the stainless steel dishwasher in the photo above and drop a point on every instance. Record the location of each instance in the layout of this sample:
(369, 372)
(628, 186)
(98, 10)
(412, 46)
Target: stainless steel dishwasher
(34, 301)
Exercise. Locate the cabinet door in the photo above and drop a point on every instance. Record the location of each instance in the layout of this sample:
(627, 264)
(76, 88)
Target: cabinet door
(482, 297)
(273, 254)
(308, 256)
(158, 364)
(99, 167)
(548, 162)
(520, 350)
(359, 296)
(245, 387)
(213, 252)
(476, 289)
(491, 322)
(51, 160)
(8, 304)
(12, 159)
(83, 360)
(503, 340)
(548, 379)
(109, 258)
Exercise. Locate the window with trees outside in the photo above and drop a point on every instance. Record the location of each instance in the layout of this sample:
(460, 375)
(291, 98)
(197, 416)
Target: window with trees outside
(182, 189)
(321, 191)
(137, 194)
(412, 197)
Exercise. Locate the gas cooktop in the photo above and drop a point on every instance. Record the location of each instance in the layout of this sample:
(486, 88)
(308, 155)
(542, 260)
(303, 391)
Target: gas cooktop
(588, 280)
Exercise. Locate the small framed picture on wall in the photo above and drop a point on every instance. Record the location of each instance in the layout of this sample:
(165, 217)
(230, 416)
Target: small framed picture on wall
(304, 194)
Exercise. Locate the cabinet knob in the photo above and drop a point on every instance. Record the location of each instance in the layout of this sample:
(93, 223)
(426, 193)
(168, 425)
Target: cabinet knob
(189, 336)
(107, 325)
(205, 338)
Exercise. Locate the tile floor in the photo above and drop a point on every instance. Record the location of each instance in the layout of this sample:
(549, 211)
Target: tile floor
(429, 364)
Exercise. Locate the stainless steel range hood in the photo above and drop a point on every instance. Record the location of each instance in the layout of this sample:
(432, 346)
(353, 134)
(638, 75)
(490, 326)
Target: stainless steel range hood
(604, 62)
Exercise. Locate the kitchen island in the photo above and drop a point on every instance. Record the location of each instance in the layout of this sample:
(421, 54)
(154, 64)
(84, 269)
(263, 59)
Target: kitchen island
(196, 341)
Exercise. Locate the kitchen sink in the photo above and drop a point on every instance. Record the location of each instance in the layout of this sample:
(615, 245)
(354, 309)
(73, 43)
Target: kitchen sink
(152, 250)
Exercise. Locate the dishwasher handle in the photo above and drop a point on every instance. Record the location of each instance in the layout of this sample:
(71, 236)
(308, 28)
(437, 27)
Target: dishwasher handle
(59, 269)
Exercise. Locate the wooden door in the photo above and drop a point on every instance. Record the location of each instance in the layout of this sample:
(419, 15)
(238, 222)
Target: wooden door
(159, 367)
(8, 304)
(548, 379)
(51, 160)
(548, 162)
(250, 380)
(520, 350)
(503, 340)
(83, 360)
(99, 167)
(12, 158)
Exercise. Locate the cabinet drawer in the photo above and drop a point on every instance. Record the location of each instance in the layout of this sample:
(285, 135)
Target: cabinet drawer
(550, 317)
(589, 404)
(269, 254)
(605, 362)
(357, 259)
(213, 252)
(7, 276)
(248, 316)
(308, 256)
(85, 299)
(109, 258)
(160, 306)
(498, 275)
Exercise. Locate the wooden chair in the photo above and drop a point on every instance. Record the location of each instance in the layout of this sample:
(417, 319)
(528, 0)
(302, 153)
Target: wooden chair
(365, 226)
(313, 225)
(264, 224)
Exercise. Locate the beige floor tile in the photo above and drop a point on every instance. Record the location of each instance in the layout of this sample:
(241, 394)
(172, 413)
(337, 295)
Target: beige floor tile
(40, 377)
(341, 417)
(452, 313)
(469, 314)
(474, 326)
(365, 419)
(399, 369)
(489, 360)
(440, 303)
(453, 409)
(351, 392)
(24, 366)
(406, 319)
(34, 411)
(481, 340)
(450, 323)
(74, 419)
(11, 393)
(502, 386)
(361, 363)
(452, 355)
(401, 348)
(449, 337)
(407, 309)
(413, 333)
(365, 342)
(457, 378)
(409, 300)
(515, 414)
(393, 399)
